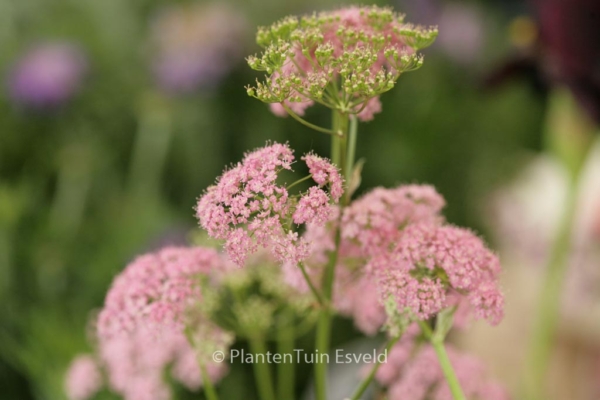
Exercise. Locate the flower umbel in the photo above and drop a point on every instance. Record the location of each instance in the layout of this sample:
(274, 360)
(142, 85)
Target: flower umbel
(342, 59)
(136, 362)
(375, 221)
(153, 317)
(435, 267)
(249, 209)
(156, 290)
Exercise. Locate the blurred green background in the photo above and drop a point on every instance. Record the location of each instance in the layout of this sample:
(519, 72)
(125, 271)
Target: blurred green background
(115, 169)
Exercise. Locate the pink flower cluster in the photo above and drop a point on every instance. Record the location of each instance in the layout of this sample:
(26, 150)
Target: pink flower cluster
(325, 173)
(376, 220)
(430, 263)
(371, 225)
(135, 363)
(249, 209)
(83, 379)
(418, 376)
(357, 297)
(156, 289)
(395, 242)
(342, 24)
(141, 327)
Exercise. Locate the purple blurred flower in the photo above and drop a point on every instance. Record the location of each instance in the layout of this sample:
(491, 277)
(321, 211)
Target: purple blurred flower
(47, 75)
(196, 45)
(462, 32)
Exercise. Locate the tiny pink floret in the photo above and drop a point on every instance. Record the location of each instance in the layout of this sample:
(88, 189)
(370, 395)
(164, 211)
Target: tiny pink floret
(83, 379)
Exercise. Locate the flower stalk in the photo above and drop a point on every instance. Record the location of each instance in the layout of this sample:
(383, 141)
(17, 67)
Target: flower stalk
(350, 158)
(568, 136)
(262, 373)
(449, 374)
(437, 342)
(360, 390)
(285, 345)
(209, 388)
(549, 301)
(310, 125)
(312, 287)
(323, 339)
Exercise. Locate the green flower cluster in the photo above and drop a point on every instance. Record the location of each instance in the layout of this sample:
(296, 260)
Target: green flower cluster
(340, 59)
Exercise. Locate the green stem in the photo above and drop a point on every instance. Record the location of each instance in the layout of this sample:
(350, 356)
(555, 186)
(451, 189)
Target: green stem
(285, 345)
(207, 385)
(322, 346)
(312, 287)
(323, 339)
(568, 134)
(335, 143)
(343, 145)
(426, 329)
(324, 324)
(299, 181)
(262, 372)
(437, 343)
(549, 302)
(353, 133)
(451, 378)
(369, 378)
(330, 270)
(308, 124)
(209, 388)
(339, 142)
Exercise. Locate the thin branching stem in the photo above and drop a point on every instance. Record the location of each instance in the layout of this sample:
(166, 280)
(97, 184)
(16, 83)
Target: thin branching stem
(312, 287)
(308, 124)
(437, 343)
(369, 378)
(299, 181)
